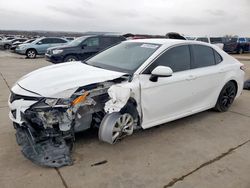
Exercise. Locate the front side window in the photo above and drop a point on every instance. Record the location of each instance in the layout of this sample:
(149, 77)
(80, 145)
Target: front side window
(203, 56)
(177, 58)
(77, 41)
(124, 57)
(46, 41)
(91, 42)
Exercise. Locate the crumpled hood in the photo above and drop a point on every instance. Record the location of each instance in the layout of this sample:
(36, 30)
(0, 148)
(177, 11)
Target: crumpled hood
(53, 80)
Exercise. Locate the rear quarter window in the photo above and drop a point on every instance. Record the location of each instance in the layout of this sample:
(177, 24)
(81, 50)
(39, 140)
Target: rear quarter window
(217, 57)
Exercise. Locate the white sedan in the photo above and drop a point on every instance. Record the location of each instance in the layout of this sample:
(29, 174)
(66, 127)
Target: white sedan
(135, 84)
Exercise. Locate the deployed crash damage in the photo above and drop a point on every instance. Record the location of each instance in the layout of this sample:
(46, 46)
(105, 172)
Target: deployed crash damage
(46, 126)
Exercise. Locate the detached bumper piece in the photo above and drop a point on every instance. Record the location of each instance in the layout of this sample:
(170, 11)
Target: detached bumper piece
(51, 152)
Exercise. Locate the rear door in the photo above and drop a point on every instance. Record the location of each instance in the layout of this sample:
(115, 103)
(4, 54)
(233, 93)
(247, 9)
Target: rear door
(58, 42)
(207, 73)
(43, 45)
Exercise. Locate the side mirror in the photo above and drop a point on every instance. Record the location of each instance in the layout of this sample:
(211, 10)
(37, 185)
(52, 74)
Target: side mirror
(160, 71)
(84, 46)
(39, 43)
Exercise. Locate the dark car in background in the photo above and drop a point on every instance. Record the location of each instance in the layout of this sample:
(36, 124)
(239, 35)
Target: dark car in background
(237, 45)
(82, 48)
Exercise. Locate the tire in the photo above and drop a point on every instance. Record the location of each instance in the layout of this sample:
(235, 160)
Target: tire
(226, 97)
(6, 46)
(31, 53)
(240, 51)
(115, 126)
(70, 58)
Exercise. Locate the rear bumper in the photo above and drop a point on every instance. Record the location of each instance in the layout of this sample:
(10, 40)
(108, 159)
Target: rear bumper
(54, 58)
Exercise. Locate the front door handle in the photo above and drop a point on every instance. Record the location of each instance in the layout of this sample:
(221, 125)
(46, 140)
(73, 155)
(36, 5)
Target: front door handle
(191, 77)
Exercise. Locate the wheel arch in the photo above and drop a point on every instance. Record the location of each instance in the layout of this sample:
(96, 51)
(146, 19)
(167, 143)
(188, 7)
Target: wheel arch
(235, 83)
(70, 54)
(31, 49)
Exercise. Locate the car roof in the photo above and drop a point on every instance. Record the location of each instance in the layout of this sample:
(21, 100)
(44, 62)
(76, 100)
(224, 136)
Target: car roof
(167, 41)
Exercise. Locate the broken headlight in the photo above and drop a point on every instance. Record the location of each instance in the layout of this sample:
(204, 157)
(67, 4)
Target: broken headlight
(49, 102)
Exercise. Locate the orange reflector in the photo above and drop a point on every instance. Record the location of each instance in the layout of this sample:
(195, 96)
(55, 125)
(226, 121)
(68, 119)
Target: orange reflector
(80, 99)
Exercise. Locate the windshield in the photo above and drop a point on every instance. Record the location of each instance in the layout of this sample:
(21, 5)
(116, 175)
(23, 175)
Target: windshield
(124, 57)
(77, 41)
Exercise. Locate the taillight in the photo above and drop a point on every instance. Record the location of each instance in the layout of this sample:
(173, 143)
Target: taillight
(243, 67)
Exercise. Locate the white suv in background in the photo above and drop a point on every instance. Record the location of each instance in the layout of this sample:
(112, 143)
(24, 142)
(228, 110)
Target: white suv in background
(212, 40)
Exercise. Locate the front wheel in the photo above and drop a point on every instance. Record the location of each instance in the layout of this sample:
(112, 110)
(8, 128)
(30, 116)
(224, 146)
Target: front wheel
(31, 53)
(241, 51)
(226, 97)
(116, 126)
(70, 58)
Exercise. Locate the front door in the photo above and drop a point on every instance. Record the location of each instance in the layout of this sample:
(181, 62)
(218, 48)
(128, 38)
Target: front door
(170, 97)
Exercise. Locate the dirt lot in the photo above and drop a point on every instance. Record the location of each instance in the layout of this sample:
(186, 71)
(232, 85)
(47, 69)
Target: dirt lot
(206, 150)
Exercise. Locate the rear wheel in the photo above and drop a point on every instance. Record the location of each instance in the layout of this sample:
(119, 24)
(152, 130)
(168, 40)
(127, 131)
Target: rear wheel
(226, 97)
(70, 58)
(31, 53)
(6, 46)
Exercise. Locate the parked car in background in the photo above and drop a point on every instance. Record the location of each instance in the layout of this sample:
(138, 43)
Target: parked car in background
(237, 45)
(39, 46)
(218, 41)
(69, 38)
(81, 48)
(6, 44)
(15, 44)
(135, 84)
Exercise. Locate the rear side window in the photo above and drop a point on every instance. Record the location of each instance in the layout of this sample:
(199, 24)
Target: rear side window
(47, 41)
(217, 57)
(177, 58)
(109, 41)
(215, 40)
(91, 42)
(203, 56)
(203, 39)
(56, 40)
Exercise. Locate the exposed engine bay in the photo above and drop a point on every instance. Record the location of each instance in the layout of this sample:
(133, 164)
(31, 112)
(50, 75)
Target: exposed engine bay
(48, 128)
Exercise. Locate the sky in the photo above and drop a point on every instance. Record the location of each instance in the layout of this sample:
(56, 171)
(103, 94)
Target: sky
(188, 17)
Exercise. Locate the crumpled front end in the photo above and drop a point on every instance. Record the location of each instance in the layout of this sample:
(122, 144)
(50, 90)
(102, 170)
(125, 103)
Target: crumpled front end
(38, 132)
(46, 127)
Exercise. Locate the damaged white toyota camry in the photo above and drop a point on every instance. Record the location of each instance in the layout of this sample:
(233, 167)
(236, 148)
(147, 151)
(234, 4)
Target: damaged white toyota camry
(135, 84)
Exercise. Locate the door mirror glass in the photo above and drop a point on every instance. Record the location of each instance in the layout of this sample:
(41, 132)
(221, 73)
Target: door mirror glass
(160, 71)
(84, 46)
